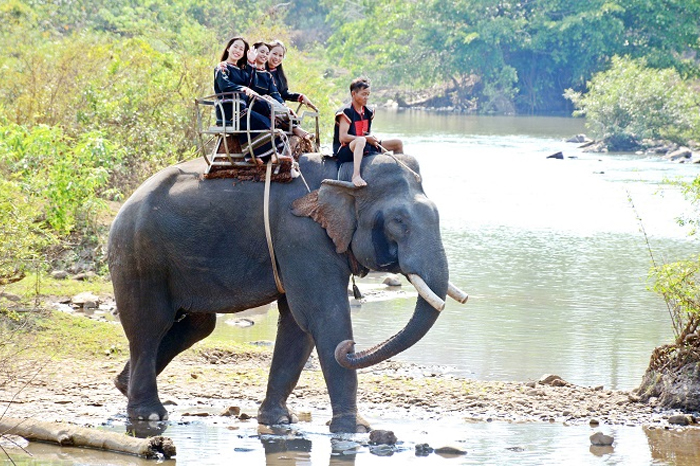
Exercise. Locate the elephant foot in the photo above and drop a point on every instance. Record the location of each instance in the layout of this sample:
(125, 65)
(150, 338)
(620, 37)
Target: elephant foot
(349, 423)
(276, 415)
(153, 411)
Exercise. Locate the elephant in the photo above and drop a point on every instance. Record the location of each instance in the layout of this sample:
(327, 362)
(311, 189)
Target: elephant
(183, 248)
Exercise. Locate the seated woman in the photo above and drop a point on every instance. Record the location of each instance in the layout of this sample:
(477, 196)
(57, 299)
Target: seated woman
(274, 66)
(234, 76)
(261, 81)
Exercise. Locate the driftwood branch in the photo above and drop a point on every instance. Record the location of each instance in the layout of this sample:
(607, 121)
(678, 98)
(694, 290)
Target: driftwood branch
(70, 435)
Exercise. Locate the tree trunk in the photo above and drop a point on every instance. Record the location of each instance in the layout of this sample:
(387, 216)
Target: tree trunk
(70, 435)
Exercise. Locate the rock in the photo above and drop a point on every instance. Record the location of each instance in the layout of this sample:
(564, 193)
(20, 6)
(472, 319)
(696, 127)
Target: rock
(552, 380)
(233, 411)
(557, 156)
(304, 416)
(391, 280)
(423, 449)
(531, 384)
(579, 139)
(450, 450)
(241, 323)
(594, 422)
(197, 414)
(344, 446)
(382, 450)
(59, 274)
(10, 296)
(382, 437)
(680, 154)
(680, 420)
(245, 417)
(599, 439)
(84, 276)
(84, 298)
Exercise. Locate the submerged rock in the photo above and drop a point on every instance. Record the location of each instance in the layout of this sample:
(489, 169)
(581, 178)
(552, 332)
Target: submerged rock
(450, 450)
(599, 439)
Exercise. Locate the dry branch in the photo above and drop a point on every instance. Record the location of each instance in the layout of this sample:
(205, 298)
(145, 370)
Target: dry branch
(70, 435)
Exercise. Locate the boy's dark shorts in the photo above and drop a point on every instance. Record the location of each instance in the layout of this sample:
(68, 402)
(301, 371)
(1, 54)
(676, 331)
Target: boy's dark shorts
(345, 154)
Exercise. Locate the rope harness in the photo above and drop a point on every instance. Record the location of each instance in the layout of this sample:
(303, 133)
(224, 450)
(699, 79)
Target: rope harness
(266, 218)
(268, 234)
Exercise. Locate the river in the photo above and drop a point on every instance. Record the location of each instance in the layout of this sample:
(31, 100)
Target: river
(556, 266)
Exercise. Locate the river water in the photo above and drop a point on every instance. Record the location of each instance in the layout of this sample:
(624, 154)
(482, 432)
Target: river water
(556, 266)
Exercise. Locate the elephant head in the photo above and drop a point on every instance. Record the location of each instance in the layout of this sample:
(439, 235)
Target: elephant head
(389, 225)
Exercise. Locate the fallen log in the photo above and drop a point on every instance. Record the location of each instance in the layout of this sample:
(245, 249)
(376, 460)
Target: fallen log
(70, 435)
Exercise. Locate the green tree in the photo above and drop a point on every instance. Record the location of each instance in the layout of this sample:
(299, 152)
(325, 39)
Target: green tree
(631, 102)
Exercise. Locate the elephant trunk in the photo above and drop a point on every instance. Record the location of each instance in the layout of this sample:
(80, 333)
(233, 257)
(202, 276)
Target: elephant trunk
(424, 316)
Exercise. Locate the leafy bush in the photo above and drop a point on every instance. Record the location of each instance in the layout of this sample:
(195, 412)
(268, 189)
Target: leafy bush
(679, 284)
(631, 102)
(66, 179)
(21, 237)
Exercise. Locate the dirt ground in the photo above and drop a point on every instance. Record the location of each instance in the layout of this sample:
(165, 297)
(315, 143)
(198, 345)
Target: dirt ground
(208, 382)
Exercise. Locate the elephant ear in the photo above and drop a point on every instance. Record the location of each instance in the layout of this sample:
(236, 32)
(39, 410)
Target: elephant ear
(333, 207)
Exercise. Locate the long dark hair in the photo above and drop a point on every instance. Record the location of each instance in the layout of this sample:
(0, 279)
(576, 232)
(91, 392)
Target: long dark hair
(241, 63)
(280, 71)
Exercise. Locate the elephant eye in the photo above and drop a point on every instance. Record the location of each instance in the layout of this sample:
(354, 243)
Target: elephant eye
(398, 227)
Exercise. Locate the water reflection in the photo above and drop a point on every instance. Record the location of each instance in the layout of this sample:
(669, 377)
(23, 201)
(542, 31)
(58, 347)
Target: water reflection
(678, 447)
(143, 429)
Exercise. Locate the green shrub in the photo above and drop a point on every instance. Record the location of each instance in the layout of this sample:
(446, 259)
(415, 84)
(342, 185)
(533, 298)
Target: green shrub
(21, 237)
(65, 178)
(679, 284)
(631, 102)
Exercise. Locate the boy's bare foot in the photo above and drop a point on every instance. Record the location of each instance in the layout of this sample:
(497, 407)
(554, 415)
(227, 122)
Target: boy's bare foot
(358, 181)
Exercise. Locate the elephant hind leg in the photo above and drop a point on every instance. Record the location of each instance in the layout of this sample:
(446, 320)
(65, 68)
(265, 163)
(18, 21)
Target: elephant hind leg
(182, 335)
(143, 369)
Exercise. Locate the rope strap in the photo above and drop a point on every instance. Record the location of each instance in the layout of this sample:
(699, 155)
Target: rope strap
(268, 235)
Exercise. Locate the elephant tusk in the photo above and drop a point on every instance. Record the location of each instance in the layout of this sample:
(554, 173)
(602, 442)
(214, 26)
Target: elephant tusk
(456, 294)
(425, 292)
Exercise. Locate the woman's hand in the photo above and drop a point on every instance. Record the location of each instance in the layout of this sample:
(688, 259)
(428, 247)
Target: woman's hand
(305, 100)
(252, 55)
(250, 93)
(222, 66)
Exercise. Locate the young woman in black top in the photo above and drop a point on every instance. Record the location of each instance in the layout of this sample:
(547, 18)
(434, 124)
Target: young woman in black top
(274, 66)
(234, 76)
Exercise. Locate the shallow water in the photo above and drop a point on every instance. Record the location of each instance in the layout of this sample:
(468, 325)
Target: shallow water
(552, 256)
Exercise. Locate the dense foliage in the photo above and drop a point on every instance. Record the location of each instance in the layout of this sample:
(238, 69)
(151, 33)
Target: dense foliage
(97, 96)
(519, 55)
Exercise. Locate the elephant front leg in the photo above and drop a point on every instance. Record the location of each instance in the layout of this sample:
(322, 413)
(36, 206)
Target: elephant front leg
(342, 389)
(292, 349)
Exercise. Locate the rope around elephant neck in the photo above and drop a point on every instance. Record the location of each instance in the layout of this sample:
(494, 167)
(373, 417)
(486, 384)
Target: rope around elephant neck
(268, 235)
(399, 162)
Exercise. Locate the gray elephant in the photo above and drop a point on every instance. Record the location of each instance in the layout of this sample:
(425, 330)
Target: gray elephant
(184, 248)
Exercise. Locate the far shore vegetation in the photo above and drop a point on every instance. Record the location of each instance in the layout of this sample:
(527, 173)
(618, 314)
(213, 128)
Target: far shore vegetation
(98, 95)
